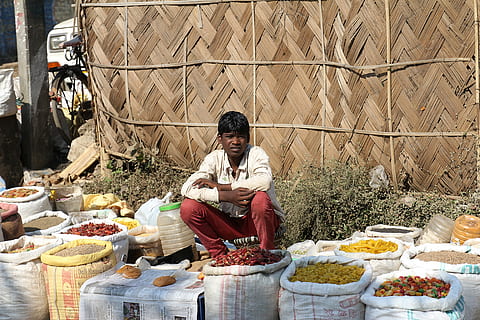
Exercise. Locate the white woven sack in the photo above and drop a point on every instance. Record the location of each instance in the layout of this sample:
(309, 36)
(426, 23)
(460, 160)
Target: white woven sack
(409, 236)
(244, 292)
(32, 204)
(22, 284)
(380, 262)
(48, 231)
(301, 249)
(424, 306)
(119, 240)
(467, 274)
(304, 300)
(8, 106)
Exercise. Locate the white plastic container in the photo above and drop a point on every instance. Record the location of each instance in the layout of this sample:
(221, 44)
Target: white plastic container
(438, 230)
(174, 233)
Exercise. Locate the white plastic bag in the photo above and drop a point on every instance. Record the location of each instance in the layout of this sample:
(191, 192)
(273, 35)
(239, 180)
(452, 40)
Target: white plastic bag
(300, 249)
(378, 177)
(8, 106)
(148, 212)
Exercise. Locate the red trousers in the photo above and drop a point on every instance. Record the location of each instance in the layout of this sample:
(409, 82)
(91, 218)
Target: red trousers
(212, 226)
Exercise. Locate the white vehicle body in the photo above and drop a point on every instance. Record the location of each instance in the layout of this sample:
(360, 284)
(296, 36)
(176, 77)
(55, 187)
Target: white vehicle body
(61, 32)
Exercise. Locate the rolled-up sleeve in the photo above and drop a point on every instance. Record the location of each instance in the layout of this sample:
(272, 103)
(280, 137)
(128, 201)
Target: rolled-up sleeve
(206, 171)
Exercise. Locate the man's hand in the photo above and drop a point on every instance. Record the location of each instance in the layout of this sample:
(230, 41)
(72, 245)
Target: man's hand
(240, 197)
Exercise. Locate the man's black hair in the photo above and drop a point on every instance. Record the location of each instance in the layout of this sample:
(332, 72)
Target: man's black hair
(233, 121)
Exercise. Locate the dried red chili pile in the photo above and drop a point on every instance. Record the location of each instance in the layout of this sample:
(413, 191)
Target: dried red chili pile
(94, 229)
(246, 257)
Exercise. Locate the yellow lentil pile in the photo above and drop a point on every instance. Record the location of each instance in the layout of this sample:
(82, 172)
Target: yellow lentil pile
(370, 246)
(328, 273)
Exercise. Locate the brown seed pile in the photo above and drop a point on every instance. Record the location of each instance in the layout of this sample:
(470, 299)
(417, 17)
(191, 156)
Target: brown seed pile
(390, 230)
(42, 223)
(449, 257)
(79, 250)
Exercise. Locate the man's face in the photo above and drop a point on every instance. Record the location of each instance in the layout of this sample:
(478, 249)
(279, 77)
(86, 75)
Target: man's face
(234, 144)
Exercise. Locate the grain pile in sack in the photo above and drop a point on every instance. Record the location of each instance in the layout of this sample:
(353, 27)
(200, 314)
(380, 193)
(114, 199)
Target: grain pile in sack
(45, 223)
(22, 286)
(11, 222)
(237, 292)
(144, 241)
(324, 287)
(29, 200)
(388, 307)
(463, 262)
(383, 253)
(406, 234)
(99, 229)
(67, 267)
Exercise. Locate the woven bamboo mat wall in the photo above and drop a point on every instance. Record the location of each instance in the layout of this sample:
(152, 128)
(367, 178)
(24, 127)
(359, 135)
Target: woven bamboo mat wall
(376, 82)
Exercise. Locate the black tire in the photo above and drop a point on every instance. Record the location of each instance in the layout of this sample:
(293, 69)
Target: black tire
(63, 94)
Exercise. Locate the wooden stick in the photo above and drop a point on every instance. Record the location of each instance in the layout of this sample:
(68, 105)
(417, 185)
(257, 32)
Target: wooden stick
(298, 126)
(389, 95)
(167, 3)
(254, 57)
(477, 89)
(324, 96)
(185, 105)
(270, 62)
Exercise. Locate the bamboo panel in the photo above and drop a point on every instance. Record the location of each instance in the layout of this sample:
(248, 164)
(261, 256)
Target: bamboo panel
(389, 83)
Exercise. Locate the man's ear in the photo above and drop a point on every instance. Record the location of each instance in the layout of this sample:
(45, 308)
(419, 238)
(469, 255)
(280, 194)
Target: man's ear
(219, 138)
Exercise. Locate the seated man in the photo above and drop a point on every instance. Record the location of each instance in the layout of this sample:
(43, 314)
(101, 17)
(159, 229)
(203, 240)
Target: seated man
(239, 178)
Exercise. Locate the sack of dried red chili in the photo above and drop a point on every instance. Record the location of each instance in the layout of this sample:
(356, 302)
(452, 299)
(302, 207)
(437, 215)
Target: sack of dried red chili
(244, 285)
(414, 294)
(100, 229)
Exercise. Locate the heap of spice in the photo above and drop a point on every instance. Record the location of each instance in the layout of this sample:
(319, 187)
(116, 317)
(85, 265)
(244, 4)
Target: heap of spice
(27, 247)
(413, 286)
(18, 193)
(246, 257)
(81, 249)
(449, 257)
(328, 273)
(92, 229)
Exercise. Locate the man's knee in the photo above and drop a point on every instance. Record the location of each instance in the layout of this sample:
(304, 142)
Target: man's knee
(188, 208)
(261, 201)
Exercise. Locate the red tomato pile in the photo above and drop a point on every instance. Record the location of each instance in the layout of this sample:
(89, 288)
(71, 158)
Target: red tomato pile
(413, 286)
(94, 229)
(18, 193)
(246, 257)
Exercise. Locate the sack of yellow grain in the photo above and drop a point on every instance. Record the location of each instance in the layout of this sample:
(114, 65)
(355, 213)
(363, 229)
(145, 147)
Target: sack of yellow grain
(382, 253)
(324, 286)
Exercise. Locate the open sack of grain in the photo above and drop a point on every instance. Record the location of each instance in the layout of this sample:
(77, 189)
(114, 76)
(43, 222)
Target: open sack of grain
(29, 200)
(382, 253)
(46, 223)
(463, 262)
(67, 267)
(328, 287)
(22, 284)
(414, 294)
